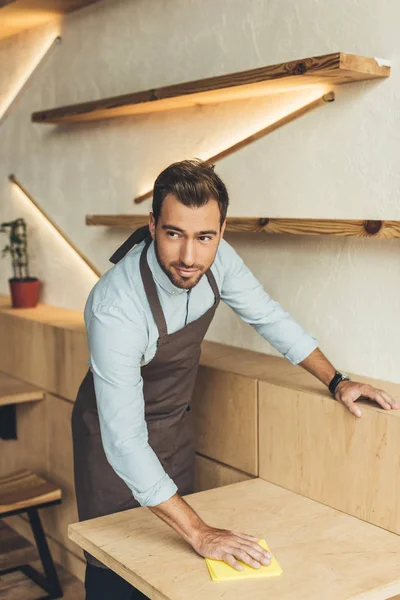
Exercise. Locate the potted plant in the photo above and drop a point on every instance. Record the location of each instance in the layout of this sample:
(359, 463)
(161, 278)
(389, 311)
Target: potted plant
(24, 288)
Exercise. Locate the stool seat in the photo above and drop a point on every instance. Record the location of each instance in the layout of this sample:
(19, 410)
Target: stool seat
(25, 489)
(26, 492)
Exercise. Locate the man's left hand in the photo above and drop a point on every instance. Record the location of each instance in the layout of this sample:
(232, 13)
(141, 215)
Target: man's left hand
(348, 392)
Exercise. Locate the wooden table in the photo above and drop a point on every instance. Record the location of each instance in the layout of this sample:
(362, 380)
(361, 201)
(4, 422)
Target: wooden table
(325, 554)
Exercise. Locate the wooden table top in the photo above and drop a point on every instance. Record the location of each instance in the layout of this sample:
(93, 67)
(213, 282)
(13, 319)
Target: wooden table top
(324, 553)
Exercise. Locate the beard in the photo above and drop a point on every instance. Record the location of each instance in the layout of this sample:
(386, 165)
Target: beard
(174, 277)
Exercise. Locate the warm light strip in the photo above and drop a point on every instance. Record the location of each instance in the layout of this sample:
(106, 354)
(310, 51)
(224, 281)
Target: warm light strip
(24, 84)
(91, 266)
(326, 97)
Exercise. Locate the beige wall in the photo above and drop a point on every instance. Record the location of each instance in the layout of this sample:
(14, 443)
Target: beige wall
(340, 161)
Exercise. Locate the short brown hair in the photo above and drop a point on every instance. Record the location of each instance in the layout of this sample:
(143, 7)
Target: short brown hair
(193, 182)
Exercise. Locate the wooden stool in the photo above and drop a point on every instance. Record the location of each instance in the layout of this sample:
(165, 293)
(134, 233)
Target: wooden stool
(27, 492)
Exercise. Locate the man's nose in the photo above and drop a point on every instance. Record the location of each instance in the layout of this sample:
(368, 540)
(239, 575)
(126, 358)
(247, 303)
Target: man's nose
(187, 254)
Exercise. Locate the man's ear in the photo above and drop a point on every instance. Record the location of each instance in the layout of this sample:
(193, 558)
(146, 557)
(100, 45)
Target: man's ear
(152, 225)
(223, 228)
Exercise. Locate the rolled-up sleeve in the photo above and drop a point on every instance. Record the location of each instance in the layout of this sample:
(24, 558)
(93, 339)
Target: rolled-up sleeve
(116, 345)
(247, 297)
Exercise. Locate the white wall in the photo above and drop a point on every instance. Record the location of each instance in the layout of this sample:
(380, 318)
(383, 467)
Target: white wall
(339, 161)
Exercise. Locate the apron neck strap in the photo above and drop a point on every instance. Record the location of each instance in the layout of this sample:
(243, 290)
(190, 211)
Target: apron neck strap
(135, 238)
(151, 292)
(152, 295)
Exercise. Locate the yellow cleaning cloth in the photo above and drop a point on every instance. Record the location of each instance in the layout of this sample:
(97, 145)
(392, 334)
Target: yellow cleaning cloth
(221, 571)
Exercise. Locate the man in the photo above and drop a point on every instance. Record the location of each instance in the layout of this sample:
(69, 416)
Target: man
(146, 319)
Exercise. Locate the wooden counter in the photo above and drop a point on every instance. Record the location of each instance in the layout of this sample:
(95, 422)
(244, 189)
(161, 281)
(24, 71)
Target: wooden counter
(324, 554)
(256, 415)
(15, 391)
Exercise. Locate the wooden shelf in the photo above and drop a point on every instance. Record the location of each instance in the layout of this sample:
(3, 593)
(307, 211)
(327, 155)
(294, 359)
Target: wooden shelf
(330, 69)
(338, 227)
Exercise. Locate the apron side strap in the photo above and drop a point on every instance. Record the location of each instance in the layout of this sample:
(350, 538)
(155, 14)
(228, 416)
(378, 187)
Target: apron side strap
(213, 284)
(152, 295)
(135, 238)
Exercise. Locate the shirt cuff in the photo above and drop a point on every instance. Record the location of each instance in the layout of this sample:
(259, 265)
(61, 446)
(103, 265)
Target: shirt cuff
(161, 492)
(301, 349)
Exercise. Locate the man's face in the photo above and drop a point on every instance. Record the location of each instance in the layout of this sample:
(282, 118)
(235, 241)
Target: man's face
(186, 239)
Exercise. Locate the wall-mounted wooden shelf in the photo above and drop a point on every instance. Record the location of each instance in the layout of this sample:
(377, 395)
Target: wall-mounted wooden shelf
(338, 227)
(329, 69)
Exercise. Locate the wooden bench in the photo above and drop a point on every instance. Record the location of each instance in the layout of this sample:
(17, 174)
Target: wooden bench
(26, 492)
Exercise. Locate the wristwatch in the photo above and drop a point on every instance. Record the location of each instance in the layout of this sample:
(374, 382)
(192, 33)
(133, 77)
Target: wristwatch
(337, 378)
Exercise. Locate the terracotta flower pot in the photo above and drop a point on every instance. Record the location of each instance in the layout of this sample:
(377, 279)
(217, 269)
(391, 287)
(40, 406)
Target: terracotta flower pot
(24, 292)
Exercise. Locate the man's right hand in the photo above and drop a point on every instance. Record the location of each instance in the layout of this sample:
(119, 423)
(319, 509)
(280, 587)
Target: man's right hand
(230, 546)
(211, 542)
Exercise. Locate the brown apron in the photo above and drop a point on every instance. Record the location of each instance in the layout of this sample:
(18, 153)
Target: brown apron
(168, 382)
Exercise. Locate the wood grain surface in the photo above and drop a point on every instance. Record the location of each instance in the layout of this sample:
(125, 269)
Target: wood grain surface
(311, 444)
(210, 474)
(324, 554)
(225, 412)
(25, 489)
(336, 227)
(329, 69)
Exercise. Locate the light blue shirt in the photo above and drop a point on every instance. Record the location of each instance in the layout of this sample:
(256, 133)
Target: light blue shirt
(122, 337)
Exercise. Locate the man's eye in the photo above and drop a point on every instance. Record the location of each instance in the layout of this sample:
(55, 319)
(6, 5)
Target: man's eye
(205, 238)
(171, 233)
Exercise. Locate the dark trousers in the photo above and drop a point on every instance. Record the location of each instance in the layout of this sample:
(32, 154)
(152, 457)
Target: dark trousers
(104, 584)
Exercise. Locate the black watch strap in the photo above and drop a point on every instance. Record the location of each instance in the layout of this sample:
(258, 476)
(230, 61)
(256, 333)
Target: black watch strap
(337, 378)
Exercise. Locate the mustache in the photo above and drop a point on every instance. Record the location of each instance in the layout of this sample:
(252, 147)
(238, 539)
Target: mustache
(183, 266)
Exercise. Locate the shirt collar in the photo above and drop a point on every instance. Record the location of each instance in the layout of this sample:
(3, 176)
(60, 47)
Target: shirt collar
(159, 276)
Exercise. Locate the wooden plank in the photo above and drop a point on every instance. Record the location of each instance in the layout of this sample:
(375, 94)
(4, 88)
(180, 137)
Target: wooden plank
(305, 382)
(210, 474)
(311, 444)
(336, 227)
(25, 489)
(245, 362)
(44, 313)
(329, 69)
(226, 402)
(19, 15)
(15, 391)
(323, 553)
